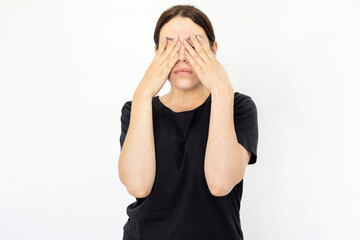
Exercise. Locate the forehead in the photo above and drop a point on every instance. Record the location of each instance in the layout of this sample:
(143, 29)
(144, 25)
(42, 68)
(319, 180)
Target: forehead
(180, 26)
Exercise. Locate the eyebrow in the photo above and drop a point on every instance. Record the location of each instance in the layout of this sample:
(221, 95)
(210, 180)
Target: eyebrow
(168, 38)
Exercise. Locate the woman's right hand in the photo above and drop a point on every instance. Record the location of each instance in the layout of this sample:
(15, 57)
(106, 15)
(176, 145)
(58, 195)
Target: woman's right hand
(160, 67)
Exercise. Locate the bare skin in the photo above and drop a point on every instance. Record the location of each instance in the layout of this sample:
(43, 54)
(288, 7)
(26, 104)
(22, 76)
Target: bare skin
(187, 92)
(137, 164)
(225, 158)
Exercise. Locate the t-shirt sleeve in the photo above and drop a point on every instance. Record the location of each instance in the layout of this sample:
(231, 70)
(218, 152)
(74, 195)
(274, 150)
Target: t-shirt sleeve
(125, 120)
(246, 124)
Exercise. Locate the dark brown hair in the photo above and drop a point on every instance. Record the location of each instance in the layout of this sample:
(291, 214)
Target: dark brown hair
(189, 11)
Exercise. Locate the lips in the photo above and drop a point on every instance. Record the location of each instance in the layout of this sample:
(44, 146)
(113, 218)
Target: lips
(183, 70)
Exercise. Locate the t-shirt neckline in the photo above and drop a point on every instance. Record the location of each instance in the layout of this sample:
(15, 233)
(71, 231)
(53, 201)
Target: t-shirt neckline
(188, 111)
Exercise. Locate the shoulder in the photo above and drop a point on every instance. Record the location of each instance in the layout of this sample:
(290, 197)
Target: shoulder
(126, 107)
(243, 100)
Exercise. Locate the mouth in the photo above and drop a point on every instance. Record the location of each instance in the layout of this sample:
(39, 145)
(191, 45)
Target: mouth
(183, 73)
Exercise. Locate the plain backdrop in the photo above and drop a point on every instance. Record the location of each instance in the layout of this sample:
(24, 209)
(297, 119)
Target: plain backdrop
(67, 68)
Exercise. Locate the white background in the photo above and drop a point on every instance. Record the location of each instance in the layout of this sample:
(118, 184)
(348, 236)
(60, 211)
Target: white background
(67, 68)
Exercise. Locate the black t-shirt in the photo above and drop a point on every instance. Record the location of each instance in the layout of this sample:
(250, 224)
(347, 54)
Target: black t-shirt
(180, 205)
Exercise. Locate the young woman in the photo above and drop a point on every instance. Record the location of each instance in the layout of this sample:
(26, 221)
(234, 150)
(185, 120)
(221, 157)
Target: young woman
(184, 154)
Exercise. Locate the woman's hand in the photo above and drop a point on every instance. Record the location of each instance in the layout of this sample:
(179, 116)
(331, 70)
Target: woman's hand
(160, 68)
(209, 70)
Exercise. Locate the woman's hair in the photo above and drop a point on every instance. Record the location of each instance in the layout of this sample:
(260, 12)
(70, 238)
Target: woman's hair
(189, 11)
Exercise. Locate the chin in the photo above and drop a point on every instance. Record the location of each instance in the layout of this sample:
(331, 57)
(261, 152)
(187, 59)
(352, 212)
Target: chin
(183, 82)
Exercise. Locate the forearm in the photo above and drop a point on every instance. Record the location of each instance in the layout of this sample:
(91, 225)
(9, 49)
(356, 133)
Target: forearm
(222, 152)
(137, 164)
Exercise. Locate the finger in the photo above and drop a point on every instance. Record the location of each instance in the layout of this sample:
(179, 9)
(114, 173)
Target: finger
(198, 48)
(195, 56)
(170, 64)
(161, 49)
(162, 46)
(172, 57)
(170, 47)
(205, 52)
(194, 64)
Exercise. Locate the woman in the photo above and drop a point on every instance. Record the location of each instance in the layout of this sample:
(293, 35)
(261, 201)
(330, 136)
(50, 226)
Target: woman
(184, 165)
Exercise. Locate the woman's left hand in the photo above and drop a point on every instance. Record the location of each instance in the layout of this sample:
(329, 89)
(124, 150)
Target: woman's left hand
(209, 70)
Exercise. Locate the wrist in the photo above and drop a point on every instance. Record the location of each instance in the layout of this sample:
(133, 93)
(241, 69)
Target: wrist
(142, 94)
(222, 89)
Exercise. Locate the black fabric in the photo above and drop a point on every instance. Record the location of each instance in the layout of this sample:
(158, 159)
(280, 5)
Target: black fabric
(180, 205)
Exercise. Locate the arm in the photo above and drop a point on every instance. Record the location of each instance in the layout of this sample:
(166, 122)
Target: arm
(225, 158)
(137, 161)
(137, 158)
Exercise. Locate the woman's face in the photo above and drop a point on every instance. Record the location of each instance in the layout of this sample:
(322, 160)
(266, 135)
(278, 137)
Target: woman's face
(182, 26)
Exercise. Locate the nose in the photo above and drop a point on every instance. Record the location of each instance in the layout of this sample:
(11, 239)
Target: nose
(182, 55)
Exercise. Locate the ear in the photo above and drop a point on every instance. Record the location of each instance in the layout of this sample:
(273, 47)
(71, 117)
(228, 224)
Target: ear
(214, 48)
